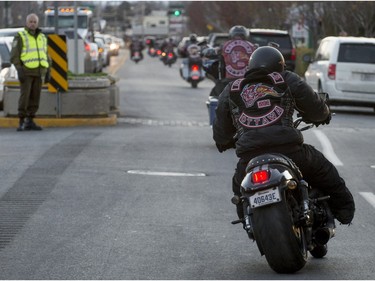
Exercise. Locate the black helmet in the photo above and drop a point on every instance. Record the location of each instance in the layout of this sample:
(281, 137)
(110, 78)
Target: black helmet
(267, 57)
(239, 31)
(193, 37)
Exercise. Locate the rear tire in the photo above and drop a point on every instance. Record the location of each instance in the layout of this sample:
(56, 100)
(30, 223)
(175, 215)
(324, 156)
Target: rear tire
(194, 84)
(283, 243)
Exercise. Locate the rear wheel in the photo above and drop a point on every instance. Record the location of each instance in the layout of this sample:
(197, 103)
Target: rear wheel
(283, 243)
(194, 84)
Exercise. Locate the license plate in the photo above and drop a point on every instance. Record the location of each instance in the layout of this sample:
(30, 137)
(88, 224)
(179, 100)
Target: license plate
(265, 197)
(367, 77)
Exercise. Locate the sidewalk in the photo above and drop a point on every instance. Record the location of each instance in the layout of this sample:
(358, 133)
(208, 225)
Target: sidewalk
(13, 122)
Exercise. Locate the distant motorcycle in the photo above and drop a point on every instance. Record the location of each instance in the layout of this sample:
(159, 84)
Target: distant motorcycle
(152, 52)
(191, 68)
(168, 58)
(136, 56)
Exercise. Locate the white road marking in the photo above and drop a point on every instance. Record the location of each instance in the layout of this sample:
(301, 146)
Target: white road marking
(369, 197)
(327, 148)
(167, 174)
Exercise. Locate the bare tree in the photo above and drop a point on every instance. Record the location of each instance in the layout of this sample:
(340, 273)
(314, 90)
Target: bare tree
(323, 18)
(355, 18)
(222, 15)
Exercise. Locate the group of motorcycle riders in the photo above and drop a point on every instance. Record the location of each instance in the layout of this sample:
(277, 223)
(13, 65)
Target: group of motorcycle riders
(257, 98)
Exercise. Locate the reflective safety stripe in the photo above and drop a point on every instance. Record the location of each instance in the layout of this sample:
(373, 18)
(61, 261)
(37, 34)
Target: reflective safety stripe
(34, 50)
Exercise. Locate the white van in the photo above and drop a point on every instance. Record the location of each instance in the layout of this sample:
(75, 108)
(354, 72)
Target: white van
(344, 67)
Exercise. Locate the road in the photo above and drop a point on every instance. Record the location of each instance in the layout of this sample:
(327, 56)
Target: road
(149, 198)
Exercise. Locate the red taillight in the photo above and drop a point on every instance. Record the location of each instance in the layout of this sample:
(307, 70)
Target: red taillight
(293, 55)
(332, 71)
(194, 67)
(170, 55)
(260, 176)
(158, 52)
(87, 47)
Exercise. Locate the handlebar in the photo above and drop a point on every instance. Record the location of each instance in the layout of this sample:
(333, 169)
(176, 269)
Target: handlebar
(309, 123)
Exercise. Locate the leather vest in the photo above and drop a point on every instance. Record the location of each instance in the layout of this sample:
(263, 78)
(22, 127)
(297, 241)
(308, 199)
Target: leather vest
(236, 54)
(34, 50)
(259, 103)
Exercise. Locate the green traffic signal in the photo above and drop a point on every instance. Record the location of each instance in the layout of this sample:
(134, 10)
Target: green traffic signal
(177, 13)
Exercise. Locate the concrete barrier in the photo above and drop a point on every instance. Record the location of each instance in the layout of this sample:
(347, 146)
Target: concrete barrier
(86, 97)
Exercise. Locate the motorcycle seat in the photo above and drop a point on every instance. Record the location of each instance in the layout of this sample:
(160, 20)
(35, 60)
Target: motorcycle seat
(272, 158)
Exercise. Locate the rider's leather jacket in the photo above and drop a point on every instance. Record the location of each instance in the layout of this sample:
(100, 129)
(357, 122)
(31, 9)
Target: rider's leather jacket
(256, 112)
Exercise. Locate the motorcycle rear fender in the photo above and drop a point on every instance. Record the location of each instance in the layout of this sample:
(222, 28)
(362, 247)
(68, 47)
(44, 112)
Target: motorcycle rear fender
(279, 176)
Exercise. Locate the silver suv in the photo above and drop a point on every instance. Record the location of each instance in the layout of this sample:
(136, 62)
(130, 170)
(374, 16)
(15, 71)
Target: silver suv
(344, 67)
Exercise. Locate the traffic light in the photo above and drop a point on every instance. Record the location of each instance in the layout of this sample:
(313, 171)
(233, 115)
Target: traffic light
(175, 12)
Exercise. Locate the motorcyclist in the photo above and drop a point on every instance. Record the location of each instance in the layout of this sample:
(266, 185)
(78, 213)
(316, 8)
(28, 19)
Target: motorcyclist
(255, 113)
(136, 45)
(193, 55)
(232, 60)
(167, 48)
(168, 45)
(193, 40)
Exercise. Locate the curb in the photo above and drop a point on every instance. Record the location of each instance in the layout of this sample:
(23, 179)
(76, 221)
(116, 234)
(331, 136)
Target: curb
(12, 122)
(111, 120)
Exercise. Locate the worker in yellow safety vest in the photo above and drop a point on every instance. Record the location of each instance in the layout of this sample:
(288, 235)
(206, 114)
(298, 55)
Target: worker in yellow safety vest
(30, 57)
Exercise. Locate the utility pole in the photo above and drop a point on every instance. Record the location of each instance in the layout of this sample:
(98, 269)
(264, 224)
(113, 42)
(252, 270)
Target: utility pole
(6, 6)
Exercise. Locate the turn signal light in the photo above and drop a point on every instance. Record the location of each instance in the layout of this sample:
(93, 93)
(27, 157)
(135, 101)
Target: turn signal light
(260, 176)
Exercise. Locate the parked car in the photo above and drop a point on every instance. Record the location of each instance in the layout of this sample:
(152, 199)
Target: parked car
(96, 63)
(7, 69)
(263, 37)
(344, 67)
(217, 39)
(103, 50)
(90, 60)
(111, 41)
(10, 32)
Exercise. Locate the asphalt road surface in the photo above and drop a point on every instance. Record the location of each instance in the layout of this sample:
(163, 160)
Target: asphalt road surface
(149, 198)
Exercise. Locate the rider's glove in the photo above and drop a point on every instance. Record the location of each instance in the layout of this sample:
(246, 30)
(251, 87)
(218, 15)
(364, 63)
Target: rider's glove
(326, 121)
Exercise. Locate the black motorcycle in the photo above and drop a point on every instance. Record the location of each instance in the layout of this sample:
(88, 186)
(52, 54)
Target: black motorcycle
(136, 56)
(191, 69)
(168, 58)
(284, 215)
